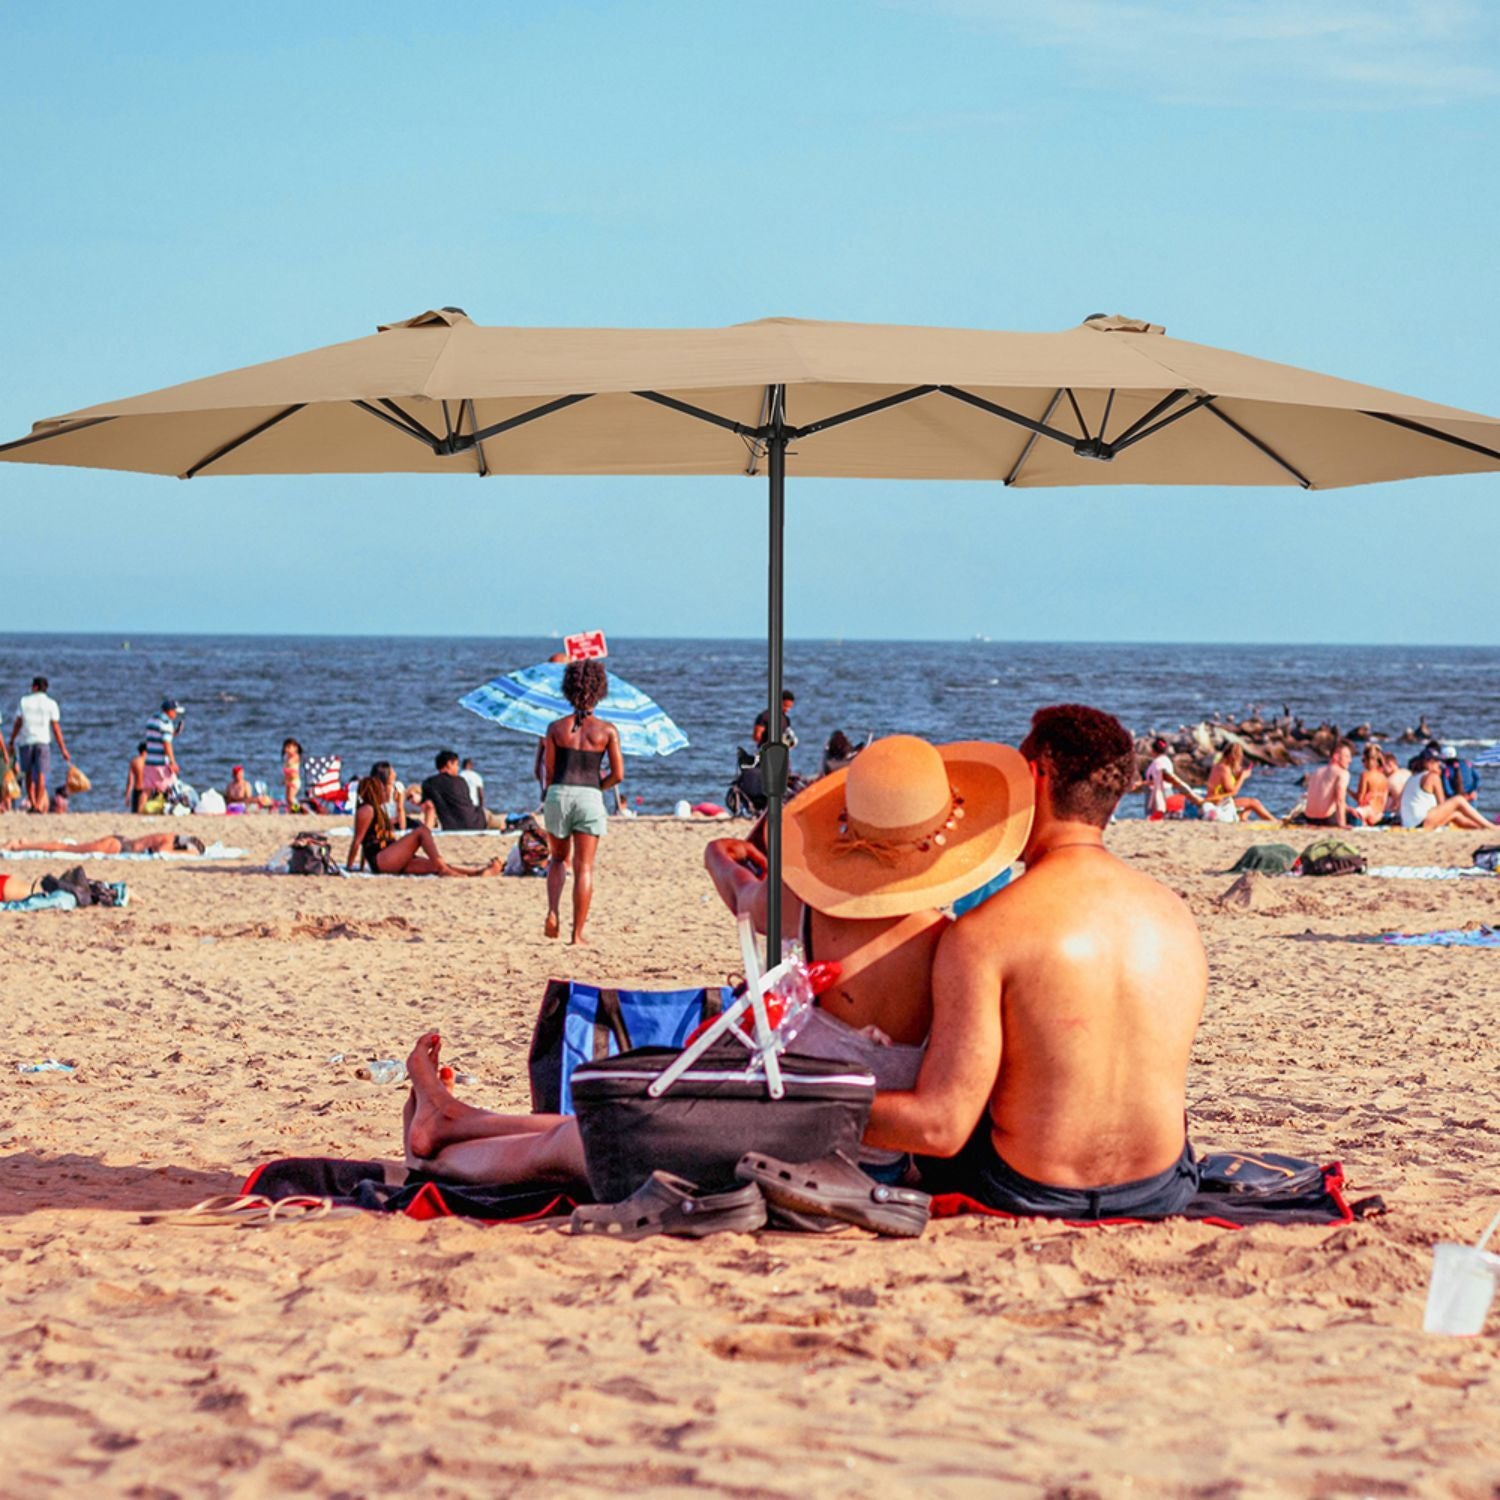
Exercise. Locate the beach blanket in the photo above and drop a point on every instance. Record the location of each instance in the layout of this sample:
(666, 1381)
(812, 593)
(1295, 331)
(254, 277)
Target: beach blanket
(1321, 1202)
(357, 1184)
(214, 851)
(1430, 872)
(1448, 937)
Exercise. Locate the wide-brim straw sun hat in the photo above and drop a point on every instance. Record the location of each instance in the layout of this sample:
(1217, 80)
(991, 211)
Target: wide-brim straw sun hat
(908, 825)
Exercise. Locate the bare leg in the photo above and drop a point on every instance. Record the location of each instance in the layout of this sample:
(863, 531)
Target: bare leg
(554, 1155)
(1254, 807)
(585, 847)
(1459, 812)
(435, 1120)
(557, 875)
(38, 846)
(416, 853)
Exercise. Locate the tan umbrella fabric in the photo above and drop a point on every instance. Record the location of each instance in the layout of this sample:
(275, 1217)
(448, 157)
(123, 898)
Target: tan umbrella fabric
(1118, 401)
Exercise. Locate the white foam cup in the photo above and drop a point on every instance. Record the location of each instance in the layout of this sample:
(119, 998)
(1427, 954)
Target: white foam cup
(1462, 1287)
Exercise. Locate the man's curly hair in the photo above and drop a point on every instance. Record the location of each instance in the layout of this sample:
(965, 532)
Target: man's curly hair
(1089, 757)
(584, 684)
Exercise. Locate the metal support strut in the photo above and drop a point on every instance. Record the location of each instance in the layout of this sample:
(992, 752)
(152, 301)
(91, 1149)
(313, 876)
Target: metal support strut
(773, 751)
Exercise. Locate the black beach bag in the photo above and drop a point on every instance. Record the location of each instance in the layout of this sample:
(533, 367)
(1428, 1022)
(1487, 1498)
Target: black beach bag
(712, 1115)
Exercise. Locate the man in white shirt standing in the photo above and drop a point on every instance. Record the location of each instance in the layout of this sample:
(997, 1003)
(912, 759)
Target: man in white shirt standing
(37, 722)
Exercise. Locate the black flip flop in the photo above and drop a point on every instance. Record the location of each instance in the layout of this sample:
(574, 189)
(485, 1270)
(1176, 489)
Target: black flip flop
(665, 1204)
(836, 1188)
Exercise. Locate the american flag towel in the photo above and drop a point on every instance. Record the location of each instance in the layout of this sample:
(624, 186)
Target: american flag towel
(325, 778)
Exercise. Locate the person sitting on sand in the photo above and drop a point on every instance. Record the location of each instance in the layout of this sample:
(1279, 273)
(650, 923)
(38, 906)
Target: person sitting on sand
(377, 846)
(1093, 977)
(573, 756)
(239, 792)
(1328, 790)
(1396, 777)
(1374, 790)
(1423, 804)
(113, 843)
(859, 888)
(1226, 780)
(1153, 781)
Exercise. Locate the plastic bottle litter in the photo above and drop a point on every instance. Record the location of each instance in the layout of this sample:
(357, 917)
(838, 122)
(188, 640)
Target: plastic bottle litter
(46, 1065)
(382, 1070)
(335, 1057)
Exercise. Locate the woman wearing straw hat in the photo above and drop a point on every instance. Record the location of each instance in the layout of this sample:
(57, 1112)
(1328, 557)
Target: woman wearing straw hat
(871, 855)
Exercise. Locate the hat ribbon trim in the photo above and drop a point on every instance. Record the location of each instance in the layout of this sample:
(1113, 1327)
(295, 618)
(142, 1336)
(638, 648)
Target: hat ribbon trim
(891, 845)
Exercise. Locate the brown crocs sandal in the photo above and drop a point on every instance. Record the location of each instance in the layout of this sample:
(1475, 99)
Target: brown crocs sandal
(665, 1204)
(836, 1188)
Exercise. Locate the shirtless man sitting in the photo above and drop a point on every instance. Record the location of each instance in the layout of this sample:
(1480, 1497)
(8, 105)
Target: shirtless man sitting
(112, 843)
(1328, 789)
(1064, 1010)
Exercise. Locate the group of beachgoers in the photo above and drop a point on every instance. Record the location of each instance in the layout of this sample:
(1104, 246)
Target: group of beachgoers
(1437, 788)
(1092, 973)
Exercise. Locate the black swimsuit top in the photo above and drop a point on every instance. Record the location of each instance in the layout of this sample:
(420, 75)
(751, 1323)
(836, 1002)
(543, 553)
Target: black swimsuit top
(576, 767)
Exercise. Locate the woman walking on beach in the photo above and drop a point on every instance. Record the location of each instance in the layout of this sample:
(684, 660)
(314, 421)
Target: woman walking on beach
(382, 851)
(573, 756)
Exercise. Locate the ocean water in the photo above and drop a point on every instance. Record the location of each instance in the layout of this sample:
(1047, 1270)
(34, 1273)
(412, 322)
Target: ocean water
(369, 698)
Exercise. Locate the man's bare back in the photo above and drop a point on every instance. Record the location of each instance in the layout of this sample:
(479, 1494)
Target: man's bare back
(1064, 1010)
(1099, 977)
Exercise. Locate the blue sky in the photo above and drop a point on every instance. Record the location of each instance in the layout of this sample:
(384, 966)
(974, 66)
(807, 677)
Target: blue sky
(193, 188)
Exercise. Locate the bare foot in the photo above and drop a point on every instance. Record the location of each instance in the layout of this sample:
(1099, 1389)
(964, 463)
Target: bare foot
(495, 867)
(427, 1110)
(579, 941)
(552, 927)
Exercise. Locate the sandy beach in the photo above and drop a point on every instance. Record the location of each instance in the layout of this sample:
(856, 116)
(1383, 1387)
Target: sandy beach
(368, 1354)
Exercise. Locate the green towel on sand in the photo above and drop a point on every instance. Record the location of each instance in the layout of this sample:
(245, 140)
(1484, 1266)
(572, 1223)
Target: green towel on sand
(1269, 859)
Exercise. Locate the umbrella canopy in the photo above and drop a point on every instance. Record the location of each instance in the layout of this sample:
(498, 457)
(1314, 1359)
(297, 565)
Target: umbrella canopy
(1113, 401)
(529, 700)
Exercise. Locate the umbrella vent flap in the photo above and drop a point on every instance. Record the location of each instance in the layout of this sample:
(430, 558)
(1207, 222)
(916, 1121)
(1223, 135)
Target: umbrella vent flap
(440, 317)
(1118, 323)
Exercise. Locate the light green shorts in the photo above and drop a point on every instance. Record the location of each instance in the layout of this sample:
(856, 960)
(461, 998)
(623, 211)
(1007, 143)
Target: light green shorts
(575, 809)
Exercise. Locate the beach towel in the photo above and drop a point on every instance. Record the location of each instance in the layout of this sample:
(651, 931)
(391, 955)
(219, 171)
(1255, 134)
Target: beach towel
(362, 1184)
(1429, 872)
(580, 1023)
(1307, 1196)
(1449, 937)
(214, 851)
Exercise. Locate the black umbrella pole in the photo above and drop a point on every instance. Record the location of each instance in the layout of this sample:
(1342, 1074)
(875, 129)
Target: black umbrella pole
(773, 753)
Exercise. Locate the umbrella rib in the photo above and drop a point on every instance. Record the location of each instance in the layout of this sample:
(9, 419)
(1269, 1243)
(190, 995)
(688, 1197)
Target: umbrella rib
(728, 423)
(854, 413)
(1122, 443)
(1041, 429)
(1150, 416)
(496, 428)
(484, 463)
(391, 422)
(239, 442)
(1083, 426)
(1265, 448)
(41, 437)
(416, 426)
(1433, 432)
(1015, 468)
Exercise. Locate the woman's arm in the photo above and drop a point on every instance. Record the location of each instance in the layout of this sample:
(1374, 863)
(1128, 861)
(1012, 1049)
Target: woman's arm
(362, 821)
(616, 762)
(549, 760)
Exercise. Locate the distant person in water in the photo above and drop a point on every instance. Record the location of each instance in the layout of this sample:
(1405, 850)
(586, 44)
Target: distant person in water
(135, 779)
(113, 843)
(575, 775)
(1227, 780)
(382, 851)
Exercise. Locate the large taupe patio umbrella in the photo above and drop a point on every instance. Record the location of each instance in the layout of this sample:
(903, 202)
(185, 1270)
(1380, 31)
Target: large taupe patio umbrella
(1113, 401)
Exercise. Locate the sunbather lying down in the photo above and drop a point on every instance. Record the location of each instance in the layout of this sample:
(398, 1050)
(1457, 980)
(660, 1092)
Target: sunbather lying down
(113, 843)
(1093, 973)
